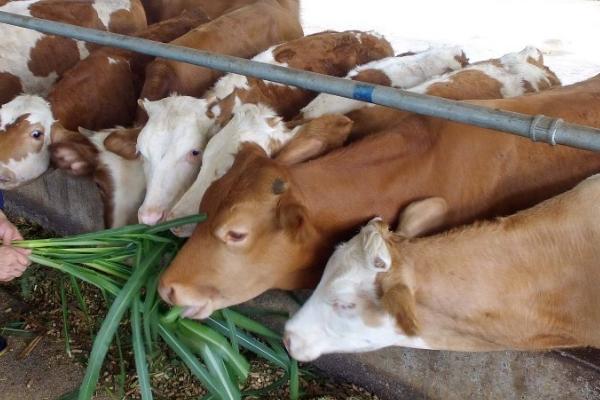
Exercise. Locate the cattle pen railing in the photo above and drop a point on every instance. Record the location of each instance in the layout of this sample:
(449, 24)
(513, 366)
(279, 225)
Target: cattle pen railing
(538, 127)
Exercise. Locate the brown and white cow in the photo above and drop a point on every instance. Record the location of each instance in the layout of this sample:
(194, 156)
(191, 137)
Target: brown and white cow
(121, 181)
(272, 225)
(160, 10)
(239, 33)
(99, 92)
(511, 75)
(32, 61)
(179, 127)
(526, 282)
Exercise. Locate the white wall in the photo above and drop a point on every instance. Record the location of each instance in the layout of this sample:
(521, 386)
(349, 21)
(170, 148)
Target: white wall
(567, 31)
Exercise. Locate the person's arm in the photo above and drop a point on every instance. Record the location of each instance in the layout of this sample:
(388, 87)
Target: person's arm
(13, 261)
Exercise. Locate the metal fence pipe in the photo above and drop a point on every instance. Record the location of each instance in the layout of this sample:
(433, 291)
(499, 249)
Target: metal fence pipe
(538, 128)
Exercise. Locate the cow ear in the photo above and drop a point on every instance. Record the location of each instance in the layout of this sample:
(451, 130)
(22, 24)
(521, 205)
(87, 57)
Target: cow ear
(399, 301)
(293, 219)
(76, 155)
(374, 245)
(422, 217)
(123, 143)
(315, 138)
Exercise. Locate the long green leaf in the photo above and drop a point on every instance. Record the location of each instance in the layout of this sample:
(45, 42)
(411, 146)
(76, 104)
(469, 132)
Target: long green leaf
(148, 310)
(65, 316)
(294, 381)
(111, 323)
(194, 330)
(165, 226)
(82, 305)
(80, 273)
(251, 344)
(251, 326)
(217, 369)
(139, 352)
(188, 358)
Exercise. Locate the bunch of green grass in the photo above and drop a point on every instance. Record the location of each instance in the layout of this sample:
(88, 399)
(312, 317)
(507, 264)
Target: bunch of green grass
(125, 264)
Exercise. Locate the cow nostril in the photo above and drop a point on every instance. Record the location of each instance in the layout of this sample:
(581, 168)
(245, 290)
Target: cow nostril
(171, 295)
(287, 342)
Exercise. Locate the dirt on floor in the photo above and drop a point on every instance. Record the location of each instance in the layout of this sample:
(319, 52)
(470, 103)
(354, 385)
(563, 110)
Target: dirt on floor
(36, 365)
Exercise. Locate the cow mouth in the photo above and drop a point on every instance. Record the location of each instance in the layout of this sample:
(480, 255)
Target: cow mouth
(197, 312)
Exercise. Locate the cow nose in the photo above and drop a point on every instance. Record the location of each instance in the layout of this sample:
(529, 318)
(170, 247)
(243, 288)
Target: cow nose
(151, 216)
(167, 293)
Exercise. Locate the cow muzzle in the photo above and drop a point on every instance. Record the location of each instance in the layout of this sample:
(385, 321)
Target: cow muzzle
(197, 302)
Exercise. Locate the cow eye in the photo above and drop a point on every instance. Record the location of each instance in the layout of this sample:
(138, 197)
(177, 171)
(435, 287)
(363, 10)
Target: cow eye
(344, 306)
(236, 237)
(195, 153)
(37, 134)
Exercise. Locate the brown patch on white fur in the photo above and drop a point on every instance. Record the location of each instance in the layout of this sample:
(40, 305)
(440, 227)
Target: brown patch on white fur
(10, 87)
(330, 53)
(469, 84)
(16, 141)
(374, 76)
(43, 60)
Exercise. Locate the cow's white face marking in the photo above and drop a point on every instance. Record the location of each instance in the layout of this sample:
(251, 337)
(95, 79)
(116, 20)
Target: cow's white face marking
(344, 313)
(171, 144)
(24, 168)
(403, 72)
(251, 123)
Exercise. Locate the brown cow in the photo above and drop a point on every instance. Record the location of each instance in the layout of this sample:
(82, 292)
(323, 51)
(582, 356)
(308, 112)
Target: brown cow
(160, 10)
(239, 33)
(526, 282)
(273, 226)
(37, 60)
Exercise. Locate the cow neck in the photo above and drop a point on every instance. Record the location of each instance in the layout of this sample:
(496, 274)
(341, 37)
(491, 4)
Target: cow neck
(344, 189)
(459, 280)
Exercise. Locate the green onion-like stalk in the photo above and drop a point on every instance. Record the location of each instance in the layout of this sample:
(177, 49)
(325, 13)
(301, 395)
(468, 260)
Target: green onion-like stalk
(125, 264)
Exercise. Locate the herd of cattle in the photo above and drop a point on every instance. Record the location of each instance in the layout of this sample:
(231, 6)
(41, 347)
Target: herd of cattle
(285, 174)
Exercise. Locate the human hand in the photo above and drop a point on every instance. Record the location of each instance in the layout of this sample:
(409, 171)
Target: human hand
(8, 232)
(13, 262)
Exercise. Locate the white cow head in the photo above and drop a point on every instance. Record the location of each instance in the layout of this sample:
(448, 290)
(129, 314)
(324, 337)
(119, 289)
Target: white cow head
(346, 312)
(171, 144)
(251, 123)
(26, 123)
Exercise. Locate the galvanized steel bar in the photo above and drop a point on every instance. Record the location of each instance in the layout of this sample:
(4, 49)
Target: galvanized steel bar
(538, 128)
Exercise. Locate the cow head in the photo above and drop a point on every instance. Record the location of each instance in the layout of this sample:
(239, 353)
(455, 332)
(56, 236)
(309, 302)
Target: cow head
(258, 234)
(350, 311)
(171, 145)
(255, 239)
(26, 123)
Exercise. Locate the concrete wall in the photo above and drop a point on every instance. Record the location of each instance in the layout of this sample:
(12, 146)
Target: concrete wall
(68, 205)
